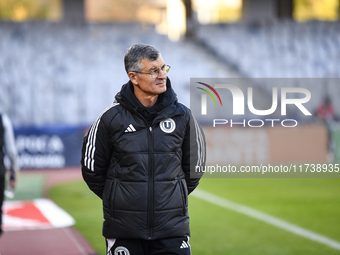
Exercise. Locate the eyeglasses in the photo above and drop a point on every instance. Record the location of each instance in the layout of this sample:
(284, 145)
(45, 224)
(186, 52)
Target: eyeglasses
(155, 73)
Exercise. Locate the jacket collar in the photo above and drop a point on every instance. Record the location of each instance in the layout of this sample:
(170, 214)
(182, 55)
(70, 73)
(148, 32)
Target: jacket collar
(165, 107)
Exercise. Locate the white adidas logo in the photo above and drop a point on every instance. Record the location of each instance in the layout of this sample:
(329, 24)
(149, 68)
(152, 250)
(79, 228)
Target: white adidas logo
(130, 128)
(184, 245)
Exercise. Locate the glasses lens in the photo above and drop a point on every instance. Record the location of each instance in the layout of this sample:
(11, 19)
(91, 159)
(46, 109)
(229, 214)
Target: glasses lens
(154, 73)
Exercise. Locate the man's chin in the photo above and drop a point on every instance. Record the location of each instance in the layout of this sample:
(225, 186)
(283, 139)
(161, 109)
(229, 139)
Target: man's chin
(161, 89)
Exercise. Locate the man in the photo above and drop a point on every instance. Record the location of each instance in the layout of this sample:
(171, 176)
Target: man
(7, 144)
(136, 157)
(325, 112)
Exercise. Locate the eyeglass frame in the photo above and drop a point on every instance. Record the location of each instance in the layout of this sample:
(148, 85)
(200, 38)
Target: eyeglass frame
(152, 72)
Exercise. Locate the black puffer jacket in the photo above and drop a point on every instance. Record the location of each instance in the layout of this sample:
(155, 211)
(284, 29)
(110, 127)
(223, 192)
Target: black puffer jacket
(141, 167)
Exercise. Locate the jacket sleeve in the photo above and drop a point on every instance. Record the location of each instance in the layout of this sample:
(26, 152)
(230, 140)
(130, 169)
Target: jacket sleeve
(194, 153)
(10, 147)
(96, 153)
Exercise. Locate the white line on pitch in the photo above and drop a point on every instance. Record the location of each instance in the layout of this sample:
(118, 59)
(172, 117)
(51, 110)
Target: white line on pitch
(222, 202)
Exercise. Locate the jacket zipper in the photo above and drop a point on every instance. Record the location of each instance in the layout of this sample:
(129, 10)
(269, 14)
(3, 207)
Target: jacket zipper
(150, 186)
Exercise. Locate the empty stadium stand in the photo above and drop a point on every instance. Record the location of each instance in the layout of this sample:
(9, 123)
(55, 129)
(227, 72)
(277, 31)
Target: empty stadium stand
(64, 73)
(59, 73)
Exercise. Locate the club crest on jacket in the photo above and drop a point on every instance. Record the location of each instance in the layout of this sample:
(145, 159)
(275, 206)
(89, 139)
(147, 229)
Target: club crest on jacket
(167, 125)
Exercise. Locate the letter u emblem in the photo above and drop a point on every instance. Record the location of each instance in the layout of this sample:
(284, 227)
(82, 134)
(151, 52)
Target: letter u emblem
(168, 125)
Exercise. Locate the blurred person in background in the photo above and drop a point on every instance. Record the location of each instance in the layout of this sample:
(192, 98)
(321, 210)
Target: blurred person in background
(136, 157)
(325, 112)
(7, 144)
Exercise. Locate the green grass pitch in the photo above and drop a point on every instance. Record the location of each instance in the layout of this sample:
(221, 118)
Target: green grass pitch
(313, 204)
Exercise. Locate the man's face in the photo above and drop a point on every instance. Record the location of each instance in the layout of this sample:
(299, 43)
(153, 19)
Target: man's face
(148, 85)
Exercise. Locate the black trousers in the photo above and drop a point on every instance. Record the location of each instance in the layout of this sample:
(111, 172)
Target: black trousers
(2, 191)
(165, 246)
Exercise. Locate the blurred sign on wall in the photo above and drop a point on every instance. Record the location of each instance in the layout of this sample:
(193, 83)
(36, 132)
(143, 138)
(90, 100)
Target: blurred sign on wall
(49, 147)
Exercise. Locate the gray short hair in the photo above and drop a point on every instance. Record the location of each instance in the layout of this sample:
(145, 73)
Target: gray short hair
(136, 53)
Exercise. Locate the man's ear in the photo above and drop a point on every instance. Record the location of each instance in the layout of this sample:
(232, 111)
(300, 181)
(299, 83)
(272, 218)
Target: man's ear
(133, 78)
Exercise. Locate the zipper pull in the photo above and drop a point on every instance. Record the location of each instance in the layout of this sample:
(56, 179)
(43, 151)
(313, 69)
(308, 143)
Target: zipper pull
(150, 128)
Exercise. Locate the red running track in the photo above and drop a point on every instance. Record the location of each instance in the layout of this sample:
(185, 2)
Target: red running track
(55, 241)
